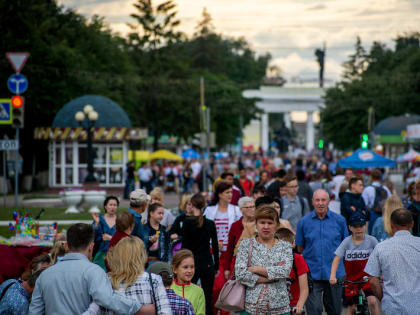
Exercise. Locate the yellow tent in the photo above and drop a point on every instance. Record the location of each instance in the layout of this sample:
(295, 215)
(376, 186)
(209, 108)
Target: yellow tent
(165, 155)
(139, 155)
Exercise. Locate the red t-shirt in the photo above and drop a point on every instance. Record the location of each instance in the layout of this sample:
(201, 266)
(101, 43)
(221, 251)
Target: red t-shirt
(301, 268)
(235, 233)
(118, 236)
(236, 195)
(246, 185)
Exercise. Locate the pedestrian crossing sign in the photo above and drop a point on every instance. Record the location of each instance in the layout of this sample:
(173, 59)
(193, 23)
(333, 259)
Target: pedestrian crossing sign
(5, 111)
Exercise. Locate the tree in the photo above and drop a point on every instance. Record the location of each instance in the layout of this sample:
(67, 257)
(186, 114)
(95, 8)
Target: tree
(385, 79)
(69, 56)
(152, 46)
(357, 63)
(155, 25)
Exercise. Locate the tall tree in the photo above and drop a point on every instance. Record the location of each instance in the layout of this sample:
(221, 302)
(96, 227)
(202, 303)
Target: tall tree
(357, 63)
(151, 41)
(386, 80)
(69, 56)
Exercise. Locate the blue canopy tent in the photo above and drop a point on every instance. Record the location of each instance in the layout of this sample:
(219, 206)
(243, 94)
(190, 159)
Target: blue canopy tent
(190, 154)
(364, 158)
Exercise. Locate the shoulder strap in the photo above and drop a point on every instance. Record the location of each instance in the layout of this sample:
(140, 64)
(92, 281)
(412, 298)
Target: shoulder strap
(302, 205)
(250, 251)
(281, 207)
(294, 268)
(5, 290)
(153, 292)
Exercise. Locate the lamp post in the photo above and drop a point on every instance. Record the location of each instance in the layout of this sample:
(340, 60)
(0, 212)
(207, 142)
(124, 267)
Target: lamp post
(90, 116)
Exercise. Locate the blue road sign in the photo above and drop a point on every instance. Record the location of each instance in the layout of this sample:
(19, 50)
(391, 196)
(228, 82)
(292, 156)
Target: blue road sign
(17, 83)
(5, 111)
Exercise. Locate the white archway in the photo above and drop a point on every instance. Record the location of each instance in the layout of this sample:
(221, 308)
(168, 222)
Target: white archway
(286, 100)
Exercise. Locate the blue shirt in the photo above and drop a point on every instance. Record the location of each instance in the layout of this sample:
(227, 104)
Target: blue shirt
(100, 230)
(72, 284)
(378, 230)
(138, 227)
(16, 299)
(320, 239)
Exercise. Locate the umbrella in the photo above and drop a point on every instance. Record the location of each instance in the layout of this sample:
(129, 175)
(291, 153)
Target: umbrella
(190, 154)
(408, 156)
(165, 155)
(364, 158)
(139, 155)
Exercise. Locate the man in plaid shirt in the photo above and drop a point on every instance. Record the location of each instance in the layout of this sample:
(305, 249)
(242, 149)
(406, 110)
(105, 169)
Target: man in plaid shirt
(179, 305)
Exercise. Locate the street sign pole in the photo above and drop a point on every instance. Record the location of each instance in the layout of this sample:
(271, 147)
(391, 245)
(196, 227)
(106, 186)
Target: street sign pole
(4, 180)
(16, 170)
(208, 143)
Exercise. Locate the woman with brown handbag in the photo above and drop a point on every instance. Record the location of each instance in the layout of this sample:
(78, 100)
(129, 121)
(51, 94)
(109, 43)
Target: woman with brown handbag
(264, 273)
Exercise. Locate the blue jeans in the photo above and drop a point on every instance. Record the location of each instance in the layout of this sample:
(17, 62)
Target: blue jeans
(324, 294)
(373, 216)
(129, 187)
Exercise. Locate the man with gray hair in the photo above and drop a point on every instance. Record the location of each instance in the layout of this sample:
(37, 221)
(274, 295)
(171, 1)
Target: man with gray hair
(318, 235)
(247, 207)
(138, 204)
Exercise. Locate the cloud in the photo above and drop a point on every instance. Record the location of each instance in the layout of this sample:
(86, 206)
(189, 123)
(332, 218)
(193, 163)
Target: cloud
(317, 7)
(294, 65)
(289, 29)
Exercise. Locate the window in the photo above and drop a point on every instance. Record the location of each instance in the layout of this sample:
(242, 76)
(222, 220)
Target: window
(71, 159)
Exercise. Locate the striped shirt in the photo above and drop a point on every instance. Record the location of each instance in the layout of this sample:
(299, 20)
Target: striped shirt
(222, 227)
(179, 305)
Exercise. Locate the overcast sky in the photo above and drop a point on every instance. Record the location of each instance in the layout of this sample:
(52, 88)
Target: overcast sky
(290, 30)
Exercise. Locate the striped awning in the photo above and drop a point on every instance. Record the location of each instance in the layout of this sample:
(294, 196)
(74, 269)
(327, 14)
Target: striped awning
(99, 134)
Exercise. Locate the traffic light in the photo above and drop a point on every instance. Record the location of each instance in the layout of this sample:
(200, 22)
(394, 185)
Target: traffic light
(18, 105)
(365, 141)
(320, 144)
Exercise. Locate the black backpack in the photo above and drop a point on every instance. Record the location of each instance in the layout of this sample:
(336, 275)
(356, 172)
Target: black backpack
(380, 197)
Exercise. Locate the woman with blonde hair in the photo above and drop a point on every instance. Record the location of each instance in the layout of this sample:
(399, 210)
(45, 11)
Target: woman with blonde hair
(185, 211)
(126, 261)
(382, 227)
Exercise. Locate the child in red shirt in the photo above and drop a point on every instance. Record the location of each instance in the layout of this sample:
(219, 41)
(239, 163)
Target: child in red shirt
(299, 289)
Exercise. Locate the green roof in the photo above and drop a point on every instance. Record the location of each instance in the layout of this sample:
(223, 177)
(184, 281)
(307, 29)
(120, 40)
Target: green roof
(110, 113)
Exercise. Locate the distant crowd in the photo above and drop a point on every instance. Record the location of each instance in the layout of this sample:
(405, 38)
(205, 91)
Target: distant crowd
(292, 234)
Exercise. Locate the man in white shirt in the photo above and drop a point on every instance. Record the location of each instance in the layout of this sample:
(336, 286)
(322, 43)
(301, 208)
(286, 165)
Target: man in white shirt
(369, 195)
(196, 168)
(145, 177)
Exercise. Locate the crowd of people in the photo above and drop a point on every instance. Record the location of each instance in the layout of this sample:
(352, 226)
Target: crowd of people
(290, 233)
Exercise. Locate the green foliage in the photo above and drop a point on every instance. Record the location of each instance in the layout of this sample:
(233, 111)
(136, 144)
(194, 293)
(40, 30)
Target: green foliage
(69, 57)
(169, 99)
(153, 74)
(388, 80)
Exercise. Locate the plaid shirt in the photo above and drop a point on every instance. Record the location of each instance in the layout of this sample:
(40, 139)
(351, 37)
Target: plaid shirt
(141, 291)
(179, 305)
